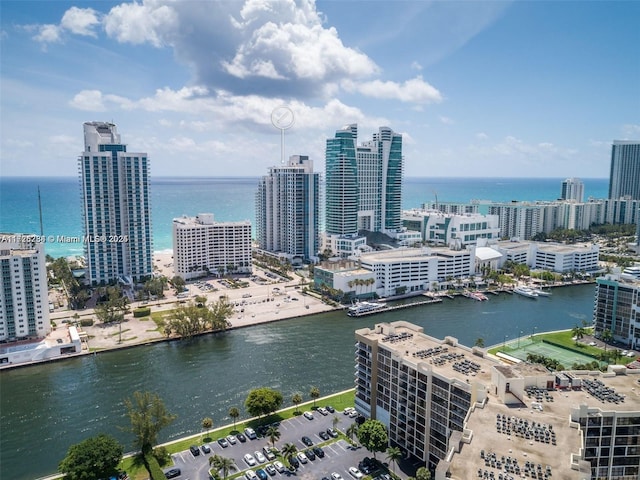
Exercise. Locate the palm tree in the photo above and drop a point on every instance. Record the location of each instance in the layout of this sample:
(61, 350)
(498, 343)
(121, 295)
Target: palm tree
(223, 464)
(207, 423)
(578, 333)
(297, 400)
(335, 421)
(273, 434)
(234, 413)
(394, 454)
(607, 336)
(352, 431)
(315, 394)
(288, 450)
(479, 342)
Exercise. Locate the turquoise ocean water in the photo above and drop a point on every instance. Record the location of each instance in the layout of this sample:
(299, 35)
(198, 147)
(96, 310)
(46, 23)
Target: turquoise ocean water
(230, 199)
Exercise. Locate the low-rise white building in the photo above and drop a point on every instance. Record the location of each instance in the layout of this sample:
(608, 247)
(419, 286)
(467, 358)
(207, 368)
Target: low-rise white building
(555, 257)
(202, 246)
(452, 230)
(24, 303)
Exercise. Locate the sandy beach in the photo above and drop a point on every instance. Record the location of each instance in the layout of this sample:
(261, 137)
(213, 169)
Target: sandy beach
(255, 304)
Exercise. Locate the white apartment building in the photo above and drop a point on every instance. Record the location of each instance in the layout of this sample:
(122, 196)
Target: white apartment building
(407, 270)
(572, 189)
(522, 220)
(24, 304)
(452, 230)
(617, 308)
(202, 246)
(288, 210)
(116, 207)
(555, 257)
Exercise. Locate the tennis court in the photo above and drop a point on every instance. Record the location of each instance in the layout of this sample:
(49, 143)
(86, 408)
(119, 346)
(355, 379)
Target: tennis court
(520, 349)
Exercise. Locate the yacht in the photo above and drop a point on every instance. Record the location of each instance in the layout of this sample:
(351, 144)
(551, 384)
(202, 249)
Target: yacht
(362, 308)
(525, 292)
(541, 293)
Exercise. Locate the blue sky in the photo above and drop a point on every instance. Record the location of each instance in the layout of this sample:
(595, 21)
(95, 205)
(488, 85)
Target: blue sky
(531, 88)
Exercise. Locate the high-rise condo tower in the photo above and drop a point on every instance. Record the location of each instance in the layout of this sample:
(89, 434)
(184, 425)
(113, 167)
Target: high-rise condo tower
(116, 207)
(624, 177)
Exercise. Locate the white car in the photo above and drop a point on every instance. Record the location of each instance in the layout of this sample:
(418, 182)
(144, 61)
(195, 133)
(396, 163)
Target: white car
(593, 344)
(268, 453)
(302, 457)
(348, 410)
(323, 411)
(259, 456)
(355, 473)
(250, 433)
(249, 460)
(250, 475)
(336, 476)
(353, 414)
(231, 439)
(279, 466)
(308, 415)
(631, 354)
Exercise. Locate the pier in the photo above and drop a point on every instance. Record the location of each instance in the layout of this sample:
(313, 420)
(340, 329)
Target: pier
(398, 307)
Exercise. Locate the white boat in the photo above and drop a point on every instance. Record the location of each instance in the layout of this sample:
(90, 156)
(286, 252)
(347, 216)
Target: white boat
(525, 292)
(361, 308)
(541, 293)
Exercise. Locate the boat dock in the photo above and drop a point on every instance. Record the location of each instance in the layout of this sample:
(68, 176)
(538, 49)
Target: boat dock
(396, 307)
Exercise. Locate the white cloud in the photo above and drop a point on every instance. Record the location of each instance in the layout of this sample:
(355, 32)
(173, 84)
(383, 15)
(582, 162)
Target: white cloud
(415, 90)
(141, 23)
(446, 120)
(482, 136)
(416, 66)
(81, 21)
(48, 34)
(95, 101)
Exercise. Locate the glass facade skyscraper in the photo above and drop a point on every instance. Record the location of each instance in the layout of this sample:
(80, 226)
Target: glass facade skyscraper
(288, 209)
(624, 177)
(116, 207)
(363, 183)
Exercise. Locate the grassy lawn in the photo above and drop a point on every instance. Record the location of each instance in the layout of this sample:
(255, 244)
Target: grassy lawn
(338, 401)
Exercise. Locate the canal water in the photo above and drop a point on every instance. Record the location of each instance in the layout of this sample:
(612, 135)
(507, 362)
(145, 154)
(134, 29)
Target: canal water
(46, 408)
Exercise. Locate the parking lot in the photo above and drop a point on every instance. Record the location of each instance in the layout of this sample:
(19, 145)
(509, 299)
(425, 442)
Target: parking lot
(338, 453)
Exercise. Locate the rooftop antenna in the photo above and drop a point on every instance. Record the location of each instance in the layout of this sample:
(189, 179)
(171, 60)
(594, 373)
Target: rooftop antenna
(40, 211)
(436, 195)
(282, 118)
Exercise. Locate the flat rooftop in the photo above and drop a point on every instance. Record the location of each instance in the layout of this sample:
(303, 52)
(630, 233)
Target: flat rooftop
(446, 357)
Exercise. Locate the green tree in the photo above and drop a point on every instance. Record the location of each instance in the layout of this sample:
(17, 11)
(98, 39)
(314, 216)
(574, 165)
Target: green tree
(296, 399)
(263, 401)
(288, 450)
(352, 431)
(423, 473)
(372, 435)
(207, 423)
(335, 421)
(607, 336)
(178, 283)
(93, 458)
(314, 393)
(148, 415)
(234, 413)
(222, 464)
(113, 308)
(394, 454)
(479, 342)
(273, 434)
(577, 332)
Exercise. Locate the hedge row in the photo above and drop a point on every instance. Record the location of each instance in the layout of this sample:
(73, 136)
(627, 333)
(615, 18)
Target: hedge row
(142, 312)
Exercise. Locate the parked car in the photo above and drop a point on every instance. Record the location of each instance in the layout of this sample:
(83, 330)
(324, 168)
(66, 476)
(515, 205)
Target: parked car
(308, 415)
(172, 473)
(318, 451)
(223, 442)
(336, 476)
(323, 435)
(355, 473)
(293, 461)
(330, 409)
(323, 411)
(310, 455)
(332, 432)
(241, 437)
(249, 460)
(348, 410)
(271, 470)
(231, 439)
(307, 441)
(250, 433)
(250, 475)
(262, 475)
(195, 451)
(259, 456)
(206, 448)
(302, 457)
(268, 453)
(279, 466)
